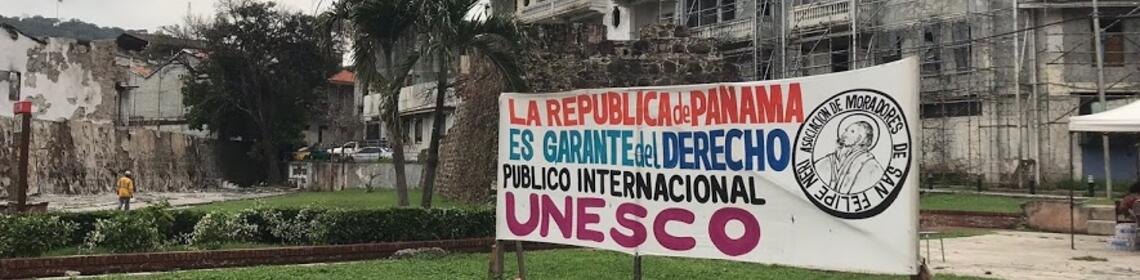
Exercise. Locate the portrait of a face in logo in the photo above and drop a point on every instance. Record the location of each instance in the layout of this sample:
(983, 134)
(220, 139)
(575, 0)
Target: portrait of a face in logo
(852, 166)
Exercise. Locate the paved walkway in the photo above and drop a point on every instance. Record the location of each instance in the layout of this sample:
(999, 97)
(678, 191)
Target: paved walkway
(1032, 255)
(80, 203)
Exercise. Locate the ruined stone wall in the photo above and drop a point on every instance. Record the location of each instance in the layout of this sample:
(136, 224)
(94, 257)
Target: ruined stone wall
(565, 57)
(80, 157)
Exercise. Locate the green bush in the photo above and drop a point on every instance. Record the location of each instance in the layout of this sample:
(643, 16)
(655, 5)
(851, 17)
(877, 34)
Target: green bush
(402, 224)
(125, 233)
(218, 228)
(295, 227)
(32, 235)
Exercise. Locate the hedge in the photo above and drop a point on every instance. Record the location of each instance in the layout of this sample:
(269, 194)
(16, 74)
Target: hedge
(336, 226)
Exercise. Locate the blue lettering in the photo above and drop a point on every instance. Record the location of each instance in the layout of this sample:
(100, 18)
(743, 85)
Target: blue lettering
(779, 163)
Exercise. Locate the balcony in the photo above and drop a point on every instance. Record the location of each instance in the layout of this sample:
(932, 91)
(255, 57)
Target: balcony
(414, 99)
(820, 15)
(731, 30)
(561, 10)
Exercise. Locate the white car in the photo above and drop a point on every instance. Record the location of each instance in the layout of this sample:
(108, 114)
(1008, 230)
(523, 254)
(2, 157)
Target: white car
(371, 154)
(345, 150)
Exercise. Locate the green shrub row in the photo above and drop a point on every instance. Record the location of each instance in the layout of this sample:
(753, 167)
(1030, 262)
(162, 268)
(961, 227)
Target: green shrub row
(152, 228)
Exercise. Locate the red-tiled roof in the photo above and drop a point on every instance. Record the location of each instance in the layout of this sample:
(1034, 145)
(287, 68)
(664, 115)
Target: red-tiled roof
(344, 77)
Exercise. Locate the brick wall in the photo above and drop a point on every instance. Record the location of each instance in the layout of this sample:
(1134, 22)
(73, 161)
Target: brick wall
(167, 261)
(946, 218)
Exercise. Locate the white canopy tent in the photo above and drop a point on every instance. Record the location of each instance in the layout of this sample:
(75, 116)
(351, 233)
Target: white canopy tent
(1123, 119)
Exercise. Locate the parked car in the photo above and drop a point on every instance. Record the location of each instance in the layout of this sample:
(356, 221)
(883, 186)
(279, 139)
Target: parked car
(345, 150)
(371, 154)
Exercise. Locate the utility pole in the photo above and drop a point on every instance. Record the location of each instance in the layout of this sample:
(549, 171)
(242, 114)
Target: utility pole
(1017, 94)
(1099, 45)
(24, 110)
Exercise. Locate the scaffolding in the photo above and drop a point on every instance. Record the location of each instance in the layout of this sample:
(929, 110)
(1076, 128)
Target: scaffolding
(999, 77)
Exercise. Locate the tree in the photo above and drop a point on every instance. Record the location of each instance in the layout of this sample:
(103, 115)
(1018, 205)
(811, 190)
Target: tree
(383, 33)
(258, 82)
(450, 32)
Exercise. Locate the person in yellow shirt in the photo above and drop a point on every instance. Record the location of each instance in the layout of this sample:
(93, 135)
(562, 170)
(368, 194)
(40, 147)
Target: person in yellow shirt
(126, 190)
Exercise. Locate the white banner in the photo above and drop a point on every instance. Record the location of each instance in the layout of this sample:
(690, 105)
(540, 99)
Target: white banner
(817, 172)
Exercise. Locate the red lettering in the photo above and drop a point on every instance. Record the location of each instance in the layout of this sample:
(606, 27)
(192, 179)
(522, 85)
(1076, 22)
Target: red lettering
(669, 241)
(562, 219)
(747, 105)
(639, 235)
(728, 104)
(697, 104)
(585, 107)
(713, 108)
(615, 109)
(532, 114)
(627, 114)
(726, 244)
(600, 109)
(552, 117)
(663, 115)
(795, 104)
(771, 107)
(643, 101)
(568, 113)
(511, 110)
(586, 218)
(522, 228)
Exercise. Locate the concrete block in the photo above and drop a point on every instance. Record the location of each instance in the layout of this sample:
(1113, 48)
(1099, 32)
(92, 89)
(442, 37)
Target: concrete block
(1101, 212)
(1099, 227)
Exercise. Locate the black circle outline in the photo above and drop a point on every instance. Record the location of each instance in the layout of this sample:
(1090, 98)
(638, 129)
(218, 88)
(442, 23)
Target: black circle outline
(890, 199)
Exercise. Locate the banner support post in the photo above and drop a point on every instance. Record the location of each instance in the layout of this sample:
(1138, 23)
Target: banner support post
(519, 254)
(496, 264)
(636, 266)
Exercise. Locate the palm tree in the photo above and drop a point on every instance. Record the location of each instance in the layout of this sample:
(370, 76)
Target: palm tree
(384, 37)
(450, 33)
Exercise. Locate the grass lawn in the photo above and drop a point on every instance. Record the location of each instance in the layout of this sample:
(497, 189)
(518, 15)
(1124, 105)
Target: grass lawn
(347, 199)
(557, 264)
(971, 202)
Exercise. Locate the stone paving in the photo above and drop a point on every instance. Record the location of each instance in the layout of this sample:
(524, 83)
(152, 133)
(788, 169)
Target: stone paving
(79, 203)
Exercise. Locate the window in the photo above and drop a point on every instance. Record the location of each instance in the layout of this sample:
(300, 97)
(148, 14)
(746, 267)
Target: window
(892, 47)
(372, 131)
(10, 83)
(1113, 43)
(419, 130)
(962, 45)
(840, 54)
(932, 54)
(616, 17)
(952, 108)
(706, 12)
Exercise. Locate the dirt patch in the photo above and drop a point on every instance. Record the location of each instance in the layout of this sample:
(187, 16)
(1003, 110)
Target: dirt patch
(1034, 255)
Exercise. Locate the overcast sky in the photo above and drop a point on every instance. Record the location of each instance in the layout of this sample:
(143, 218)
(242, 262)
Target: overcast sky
(132, 14)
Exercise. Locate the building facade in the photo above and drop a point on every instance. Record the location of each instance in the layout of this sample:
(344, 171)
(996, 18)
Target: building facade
(999, 78)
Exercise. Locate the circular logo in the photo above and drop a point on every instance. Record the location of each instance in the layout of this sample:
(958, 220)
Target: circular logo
(853, 153)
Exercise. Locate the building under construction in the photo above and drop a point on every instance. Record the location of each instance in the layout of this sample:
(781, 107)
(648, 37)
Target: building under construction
(999, 77)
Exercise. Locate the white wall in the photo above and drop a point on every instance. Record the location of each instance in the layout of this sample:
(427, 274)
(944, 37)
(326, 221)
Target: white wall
(58, 77)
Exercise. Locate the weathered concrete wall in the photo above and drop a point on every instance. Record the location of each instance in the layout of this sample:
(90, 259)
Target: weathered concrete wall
(335, 176)
(1055, 216)
(80, 157)
(64, 78)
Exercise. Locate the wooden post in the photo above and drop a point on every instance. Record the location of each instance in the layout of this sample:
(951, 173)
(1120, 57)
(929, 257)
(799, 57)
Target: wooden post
(24, 110)
(519, 254)
(923, 272)
(636, 266)
(496, 269)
